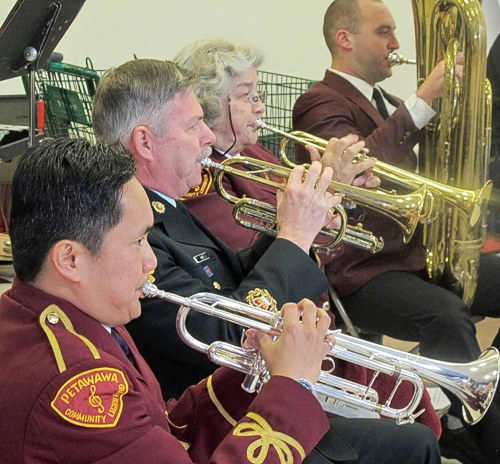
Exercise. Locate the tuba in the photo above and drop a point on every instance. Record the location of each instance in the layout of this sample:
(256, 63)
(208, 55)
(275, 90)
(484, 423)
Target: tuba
(473, 383)
(455, 150)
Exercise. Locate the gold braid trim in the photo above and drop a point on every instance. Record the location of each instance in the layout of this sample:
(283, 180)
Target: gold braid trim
(258, 451)
(178, 427)
(55, 313)
(184, 444)
(218, 404)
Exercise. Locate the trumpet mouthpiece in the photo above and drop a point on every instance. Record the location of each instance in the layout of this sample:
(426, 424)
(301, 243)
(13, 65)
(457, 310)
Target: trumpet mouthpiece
(259, 124)
(396, 59)
(208, 163)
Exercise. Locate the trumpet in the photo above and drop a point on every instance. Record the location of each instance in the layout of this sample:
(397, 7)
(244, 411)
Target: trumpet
(403, 209)
(470, 203)
(260, 216)
(396, 59)
(473, 383)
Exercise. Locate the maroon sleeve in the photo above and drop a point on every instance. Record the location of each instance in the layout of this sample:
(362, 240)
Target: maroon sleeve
(224, 421)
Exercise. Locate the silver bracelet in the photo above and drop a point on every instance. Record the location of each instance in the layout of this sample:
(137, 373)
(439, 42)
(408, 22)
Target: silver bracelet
(307, 385)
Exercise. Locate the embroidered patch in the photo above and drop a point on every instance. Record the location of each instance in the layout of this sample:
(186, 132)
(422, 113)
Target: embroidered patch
(203, 187)
(158, 206)
(92, 398)
(261, 299)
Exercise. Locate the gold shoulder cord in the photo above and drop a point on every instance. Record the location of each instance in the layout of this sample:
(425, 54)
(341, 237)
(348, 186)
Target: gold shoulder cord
(53, 314)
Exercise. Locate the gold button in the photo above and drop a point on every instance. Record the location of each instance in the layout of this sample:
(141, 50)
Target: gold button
(53, 318)
(217, 285)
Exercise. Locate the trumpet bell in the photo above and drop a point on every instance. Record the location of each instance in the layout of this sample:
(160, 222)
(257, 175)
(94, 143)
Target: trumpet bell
(475, 384)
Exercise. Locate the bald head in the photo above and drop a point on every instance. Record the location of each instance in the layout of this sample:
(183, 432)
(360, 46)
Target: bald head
(342, 14)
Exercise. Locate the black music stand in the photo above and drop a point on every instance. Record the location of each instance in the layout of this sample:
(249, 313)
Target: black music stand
(28, 37)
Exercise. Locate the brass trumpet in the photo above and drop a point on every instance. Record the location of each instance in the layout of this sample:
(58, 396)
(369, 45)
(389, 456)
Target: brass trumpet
(473, 383)
(470, 203)
(403, 209)
(260, 216)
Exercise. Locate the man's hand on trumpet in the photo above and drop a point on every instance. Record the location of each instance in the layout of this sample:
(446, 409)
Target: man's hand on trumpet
(303, 207)
(339, 155)
(302, 345)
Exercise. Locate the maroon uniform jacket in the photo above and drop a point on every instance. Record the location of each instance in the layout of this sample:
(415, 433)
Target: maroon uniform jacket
(216, 214)
(334, 108)
(70, 395)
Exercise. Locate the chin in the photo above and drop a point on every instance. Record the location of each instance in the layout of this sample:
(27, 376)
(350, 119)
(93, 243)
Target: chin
(252, 140)
(134, 313)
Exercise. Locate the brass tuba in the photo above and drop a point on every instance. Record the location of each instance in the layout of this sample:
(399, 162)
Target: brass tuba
(456, 146)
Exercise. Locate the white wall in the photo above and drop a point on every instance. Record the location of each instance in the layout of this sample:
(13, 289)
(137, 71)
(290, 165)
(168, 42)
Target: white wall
(289, 32)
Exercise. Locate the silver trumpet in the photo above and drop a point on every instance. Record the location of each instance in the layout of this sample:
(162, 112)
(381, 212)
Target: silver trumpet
(473, 383)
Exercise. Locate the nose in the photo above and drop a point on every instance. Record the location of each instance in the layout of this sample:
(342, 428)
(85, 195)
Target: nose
(149, 260)
(259, 108)
(394, 43)
(207, 137)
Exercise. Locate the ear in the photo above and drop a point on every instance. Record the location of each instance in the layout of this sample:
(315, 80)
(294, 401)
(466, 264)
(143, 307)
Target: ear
(67, 257)
(142, 142)
(344, 39)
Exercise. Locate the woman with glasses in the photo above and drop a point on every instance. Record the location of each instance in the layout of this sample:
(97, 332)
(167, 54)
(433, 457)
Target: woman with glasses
(227, 87)
(226, 84)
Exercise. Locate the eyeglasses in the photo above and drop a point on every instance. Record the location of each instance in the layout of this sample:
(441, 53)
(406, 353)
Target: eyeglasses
(254, 97)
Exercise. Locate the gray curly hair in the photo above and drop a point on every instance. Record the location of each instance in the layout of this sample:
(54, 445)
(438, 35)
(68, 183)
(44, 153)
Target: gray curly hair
(212, 64)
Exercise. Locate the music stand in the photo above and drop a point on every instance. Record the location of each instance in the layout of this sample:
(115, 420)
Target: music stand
(27, 39)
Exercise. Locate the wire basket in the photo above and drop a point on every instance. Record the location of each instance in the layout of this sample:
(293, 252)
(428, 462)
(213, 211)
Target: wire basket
(67, 91)
(282, 92)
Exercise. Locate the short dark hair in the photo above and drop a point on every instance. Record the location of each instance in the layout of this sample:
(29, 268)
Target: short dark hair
(135, 93)
(65, 189)
(341, 14)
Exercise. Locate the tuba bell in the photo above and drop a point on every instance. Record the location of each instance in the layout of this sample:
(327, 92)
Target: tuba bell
(473, 383)
(456, 146)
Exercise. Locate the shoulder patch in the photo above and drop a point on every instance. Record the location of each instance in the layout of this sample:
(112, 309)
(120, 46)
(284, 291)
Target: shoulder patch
(261, 298)
(203, 187)
(93, 398)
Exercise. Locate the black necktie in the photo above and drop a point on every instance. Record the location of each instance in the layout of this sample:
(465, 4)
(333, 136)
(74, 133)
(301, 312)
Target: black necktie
(379, 101)
(123, 345)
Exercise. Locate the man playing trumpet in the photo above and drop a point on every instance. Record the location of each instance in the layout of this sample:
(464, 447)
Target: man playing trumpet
(74, 387)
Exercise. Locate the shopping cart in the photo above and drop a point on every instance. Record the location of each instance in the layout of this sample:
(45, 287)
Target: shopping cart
(66, 92)
(282, 92)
